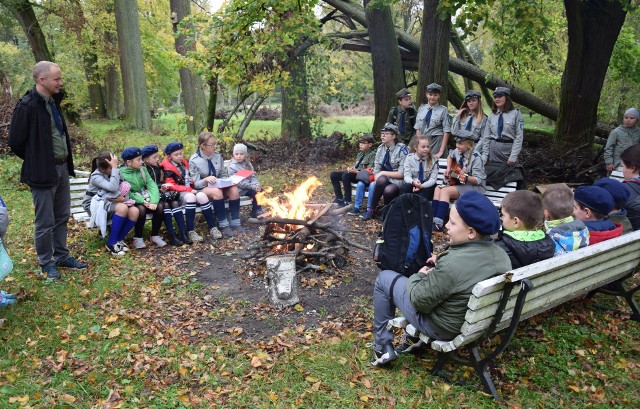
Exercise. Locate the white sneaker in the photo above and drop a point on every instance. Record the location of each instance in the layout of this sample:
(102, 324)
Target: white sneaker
(122, 246)
(138, 243)
(194, 236)
(157, 240)
(215, 233)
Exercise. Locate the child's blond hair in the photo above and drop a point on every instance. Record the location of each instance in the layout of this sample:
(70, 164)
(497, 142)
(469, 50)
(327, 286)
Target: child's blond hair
(558, 201)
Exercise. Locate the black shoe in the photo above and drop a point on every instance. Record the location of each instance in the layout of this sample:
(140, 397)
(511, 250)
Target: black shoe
(186, 239)
(50, 272)
(410, 345)
(115, 250)
(71, 262)
(174, 241)
(382, 355)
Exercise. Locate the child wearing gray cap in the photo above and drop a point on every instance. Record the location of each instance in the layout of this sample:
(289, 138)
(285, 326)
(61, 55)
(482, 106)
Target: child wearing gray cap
(621, 138)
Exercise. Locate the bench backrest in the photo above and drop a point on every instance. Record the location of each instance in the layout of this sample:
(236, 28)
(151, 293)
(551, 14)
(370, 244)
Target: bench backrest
(556, 281)
(617, 174)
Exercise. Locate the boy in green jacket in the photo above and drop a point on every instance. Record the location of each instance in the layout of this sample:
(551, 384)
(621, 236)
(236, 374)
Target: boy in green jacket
(435, 299)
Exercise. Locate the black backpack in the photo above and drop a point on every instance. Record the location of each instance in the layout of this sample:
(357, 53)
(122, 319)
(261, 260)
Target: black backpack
(404, 244)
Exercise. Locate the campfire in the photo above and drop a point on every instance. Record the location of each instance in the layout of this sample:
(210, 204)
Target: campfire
(302, 230)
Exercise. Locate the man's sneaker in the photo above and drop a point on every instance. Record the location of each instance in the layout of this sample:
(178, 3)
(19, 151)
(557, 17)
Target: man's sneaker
(409, 344)
(138, 243)
(50, 272)
(186, 239)
(227, 232)
(238, 229)
(194, 236)
(354, 212)
(157, 240)
(382, 355)
(115, 250)
(368, 215)
(122, 246)
(215, 233)
(71, 262)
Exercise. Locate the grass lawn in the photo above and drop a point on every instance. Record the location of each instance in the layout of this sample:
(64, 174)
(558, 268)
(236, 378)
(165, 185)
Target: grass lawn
(124, 334)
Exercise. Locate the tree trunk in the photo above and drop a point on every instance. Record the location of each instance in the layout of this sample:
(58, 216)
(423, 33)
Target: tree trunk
(388, 75)
(96, 95)
(213, 101)
(593, 28)
(434, 51)
(22, 10)
(235, 109)
(136, 104)
(192, 86)
(249, 116)
(295, 101)
(112, 100)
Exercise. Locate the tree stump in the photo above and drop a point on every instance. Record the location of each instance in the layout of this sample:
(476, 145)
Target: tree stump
(282, 281)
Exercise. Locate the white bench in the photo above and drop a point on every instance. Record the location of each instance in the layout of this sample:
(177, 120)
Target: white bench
(617, 174)
(500, 303)
(79, 186)
(495, 196)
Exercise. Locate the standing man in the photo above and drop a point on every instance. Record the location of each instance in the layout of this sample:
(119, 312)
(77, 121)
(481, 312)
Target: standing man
(38, 135)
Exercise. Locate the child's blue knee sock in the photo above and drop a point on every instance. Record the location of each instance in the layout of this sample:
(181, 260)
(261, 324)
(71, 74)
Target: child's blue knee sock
(234, 209)
(179, 217)
(168, 221)
(208, 214)
(116, 225)
(190, 215)
(128, 225)
(221, 212)
(440, 209)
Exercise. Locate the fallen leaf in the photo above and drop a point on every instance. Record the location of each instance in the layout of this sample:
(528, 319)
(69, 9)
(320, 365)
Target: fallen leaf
(114, 333)
(67, 398)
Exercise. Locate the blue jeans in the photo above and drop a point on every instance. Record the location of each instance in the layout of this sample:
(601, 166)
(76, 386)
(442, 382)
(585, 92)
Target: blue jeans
(360, 188)
(372, 188)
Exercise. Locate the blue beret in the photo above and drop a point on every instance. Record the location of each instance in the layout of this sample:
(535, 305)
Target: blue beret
(478, 212)
(131, 153)
(149, 150)
(595, 198)
(172, 147)
(616, 189)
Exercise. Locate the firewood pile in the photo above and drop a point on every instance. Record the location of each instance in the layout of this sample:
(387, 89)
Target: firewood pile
(317, 244)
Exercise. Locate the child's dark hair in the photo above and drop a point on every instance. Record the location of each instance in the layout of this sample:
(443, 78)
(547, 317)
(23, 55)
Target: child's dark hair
(526, 206)
(101, 161)
(631, 157)
(596, 215)
(558, 201)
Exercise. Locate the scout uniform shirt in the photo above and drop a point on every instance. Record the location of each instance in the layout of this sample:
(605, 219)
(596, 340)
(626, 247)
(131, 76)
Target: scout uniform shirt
(510, 139)
(365, 160)
(475, 168)
(438, 124)
(405, 120)
(412, 170)
(620, 139)
(397, 155)
(201, 166)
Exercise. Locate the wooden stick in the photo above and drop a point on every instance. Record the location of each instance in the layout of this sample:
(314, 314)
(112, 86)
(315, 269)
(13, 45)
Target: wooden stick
(322, 212)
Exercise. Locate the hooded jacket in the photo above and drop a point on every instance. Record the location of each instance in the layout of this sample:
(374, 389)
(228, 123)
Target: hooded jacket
(569, 234)
(526, 247)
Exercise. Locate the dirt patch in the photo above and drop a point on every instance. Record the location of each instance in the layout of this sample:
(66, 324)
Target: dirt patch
(236, 289)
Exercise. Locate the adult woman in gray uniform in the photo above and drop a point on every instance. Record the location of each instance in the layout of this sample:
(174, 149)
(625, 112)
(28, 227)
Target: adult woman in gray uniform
(471, 117)
(504, 132)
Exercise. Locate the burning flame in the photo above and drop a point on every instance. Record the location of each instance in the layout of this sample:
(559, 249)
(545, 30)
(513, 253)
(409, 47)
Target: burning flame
(294, 207)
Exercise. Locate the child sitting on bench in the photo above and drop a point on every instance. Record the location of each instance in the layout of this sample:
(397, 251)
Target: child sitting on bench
(592, 204)
(568, 233)
(435, 299)
(522, 214)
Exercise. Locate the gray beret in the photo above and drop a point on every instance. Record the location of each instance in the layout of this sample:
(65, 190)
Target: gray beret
(403, 93)
(472, 94)
(501, 91)
(391, 128)
(463, 135)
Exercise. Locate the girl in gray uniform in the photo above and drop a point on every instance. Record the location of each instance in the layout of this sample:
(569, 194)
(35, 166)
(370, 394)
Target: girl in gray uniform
(205, 167)
(433, 121)
(471, 117)
(420, 169)
(388, 170)
(471, 176)
(504, 132)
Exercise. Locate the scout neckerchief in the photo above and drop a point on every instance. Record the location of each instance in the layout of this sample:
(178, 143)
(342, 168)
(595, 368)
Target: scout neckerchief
(361, 154)
(386, 161)
(212, 169)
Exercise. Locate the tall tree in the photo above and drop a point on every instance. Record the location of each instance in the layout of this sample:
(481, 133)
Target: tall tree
(136, 104)
(22, 10)
(192, 86)
(434, 49)
(295, 101)
(388, 75)
(593, 27)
